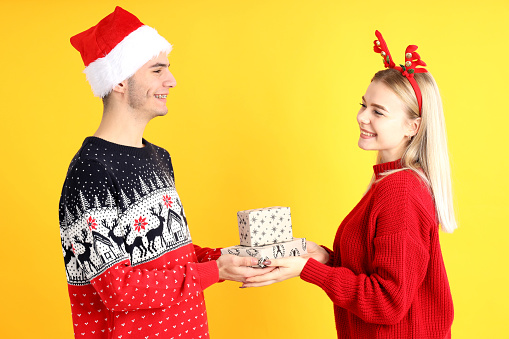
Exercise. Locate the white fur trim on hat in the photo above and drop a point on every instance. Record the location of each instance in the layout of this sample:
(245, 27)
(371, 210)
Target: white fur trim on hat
(125, 59)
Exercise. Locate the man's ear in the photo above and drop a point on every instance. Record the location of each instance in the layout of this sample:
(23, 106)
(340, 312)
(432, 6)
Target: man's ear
(120, 87)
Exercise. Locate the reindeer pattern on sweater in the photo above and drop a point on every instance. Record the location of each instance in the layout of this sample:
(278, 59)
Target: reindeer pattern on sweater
(118, 204)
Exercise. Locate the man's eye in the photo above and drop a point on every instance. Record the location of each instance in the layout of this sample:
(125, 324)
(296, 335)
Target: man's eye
(157, 71)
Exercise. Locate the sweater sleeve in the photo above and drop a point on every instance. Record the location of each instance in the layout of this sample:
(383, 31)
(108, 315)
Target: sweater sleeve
(399, 262)
(205, 254)
(124, 288)
(120, 285)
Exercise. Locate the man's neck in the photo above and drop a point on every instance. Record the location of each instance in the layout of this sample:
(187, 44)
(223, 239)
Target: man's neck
(121, 127)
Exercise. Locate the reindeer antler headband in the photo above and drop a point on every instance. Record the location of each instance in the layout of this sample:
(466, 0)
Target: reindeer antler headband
(412, 60)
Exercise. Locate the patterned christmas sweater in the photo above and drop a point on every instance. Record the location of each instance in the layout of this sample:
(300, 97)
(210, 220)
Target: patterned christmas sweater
(132, 269)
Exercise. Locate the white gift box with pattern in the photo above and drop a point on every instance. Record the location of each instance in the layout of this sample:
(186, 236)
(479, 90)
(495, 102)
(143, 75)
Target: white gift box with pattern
(266, 233)
(264, 226)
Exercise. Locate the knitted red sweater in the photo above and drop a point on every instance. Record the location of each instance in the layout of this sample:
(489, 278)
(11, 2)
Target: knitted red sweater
(386, 275)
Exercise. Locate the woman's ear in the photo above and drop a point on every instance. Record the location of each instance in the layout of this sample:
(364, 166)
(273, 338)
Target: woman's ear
(414, 126)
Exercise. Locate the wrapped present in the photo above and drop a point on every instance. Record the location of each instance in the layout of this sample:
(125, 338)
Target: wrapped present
(295, 247)
(264, 226)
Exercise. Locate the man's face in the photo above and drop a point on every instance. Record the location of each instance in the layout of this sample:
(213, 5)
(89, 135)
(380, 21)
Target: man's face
(148, 88)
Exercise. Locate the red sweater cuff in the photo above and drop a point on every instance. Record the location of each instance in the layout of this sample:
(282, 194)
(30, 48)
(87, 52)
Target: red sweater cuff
(315, 272)
(208, 272)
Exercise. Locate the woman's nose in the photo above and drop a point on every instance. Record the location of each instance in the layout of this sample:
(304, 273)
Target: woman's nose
(362, 117)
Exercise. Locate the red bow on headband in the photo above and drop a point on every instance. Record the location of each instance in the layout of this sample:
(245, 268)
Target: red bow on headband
(412, 60)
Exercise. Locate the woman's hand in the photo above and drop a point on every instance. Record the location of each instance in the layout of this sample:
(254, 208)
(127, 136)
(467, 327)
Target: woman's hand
(285, 268)
(290, 267)
(316, 252)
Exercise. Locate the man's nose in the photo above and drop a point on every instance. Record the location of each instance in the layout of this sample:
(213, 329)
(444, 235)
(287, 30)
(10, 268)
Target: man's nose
(170, 81)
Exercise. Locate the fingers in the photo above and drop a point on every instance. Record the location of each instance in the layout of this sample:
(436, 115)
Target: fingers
(247, 261)
(313, 248)
(253, 272)
(261, 284)
(273, 263)
(310, 244)
(274, 275)
(241, 261)
(317, 252)
(239, 268)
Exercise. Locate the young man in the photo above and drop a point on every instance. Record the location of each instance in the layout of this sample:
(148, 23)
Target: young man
(132, 269)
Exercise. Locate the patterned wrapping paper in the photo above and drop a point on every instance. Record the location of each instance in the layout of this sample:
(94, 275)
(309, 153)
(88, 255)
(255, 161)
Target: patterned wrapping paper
(264, 226)
(295, 247)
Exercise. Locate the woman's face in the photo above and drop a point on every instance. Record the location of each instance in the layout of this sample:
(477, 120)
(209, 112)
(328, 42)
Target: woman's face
(384, 125)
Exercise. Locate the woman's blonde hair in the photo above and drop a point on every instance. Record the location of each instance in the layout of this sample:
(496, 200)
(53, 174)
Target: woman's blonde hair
(426, 153)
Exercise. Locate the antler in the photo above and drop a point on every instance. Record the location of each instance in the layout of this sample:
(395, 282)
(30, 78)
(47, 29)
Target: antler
(381, 47)
(412, 60)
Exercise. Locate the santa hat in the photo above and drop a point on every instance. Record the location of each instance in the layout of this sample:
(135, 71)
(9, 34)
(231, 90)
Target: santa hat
(115, 48)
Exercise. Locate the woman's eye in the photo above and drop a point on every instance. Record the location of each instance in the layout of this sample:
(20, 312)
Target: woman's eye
(362, 105)
(378, 113)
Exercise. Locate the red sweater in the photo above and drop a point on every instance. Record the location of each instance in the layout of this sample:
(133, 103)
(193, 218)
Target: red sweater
(386, 276)
(162, 298)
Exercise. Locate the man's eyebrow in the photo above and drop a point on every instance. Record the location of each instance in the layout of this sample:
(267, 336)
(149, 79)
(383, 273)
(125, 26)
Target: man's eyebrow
(376, 105)
(159, 64)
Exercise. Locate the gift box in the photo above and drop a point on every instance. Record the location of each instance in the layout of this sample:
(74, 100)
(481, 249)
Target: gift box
(264, 226)
(295, 247)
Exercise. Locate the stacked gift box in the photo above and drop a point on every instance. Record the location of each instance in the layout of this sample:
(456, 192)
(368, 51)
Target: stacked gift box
(266, 233)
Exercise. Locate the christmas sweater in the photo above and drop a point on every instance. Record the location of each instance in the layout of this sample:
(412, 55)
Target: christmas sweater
(386, 276)
(132, 269)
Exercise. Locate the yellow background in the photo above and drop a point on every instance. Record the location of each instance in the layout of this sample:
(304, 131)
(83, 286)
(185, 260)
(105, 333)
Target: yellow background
(263, 114)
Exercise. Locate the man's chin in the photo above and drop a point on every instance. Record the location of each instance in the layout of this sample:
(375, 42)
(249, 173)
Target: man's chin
(160, 114)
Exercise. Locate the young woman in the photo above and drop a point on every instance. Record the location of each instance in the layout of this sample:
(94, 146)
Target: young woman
(385, 274)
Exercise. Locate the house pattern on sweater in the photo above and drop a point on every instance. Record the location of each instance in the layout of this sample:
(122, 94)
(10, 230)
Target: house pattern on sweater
(118, 206)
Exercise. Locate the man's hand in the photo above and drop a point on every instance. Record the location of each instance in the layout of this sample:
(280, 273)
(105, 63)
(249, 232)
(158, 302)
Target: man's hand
(232, 267)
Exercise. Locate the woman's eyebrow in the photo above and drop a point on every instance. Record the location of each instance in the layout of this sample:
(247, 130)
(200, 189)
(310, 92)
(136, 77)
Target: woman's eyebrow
(381, 107)
(376, 105)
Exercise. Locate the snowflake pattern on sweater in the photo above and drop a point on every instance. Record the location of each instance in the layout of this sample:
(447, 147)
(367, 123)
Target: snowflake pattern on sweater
(127, 249)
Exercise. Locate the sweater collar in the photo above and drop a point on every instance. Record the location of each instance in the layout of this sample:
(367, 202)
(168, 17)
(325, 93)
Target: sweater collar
(379, 169)
(142, 152)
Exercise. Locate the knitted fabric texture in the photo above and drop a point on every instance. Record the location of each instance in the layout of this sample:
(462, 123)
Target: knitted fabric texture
(386, 276)
(132, 270)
